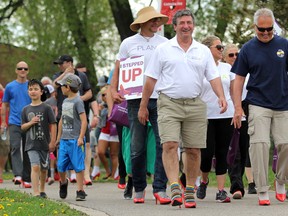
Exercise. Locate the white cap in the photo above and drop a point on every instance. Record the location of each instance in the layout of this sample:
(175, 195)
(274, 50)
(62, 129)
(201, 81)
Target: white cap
(50, 88)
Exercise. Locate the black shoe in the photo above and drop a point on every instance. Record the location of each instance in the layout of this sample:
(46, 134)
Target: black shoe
(63, 189)
(80, 195)
(222, 197)
(43, 195)
(128, 189)
(201, 191)
(251, 188)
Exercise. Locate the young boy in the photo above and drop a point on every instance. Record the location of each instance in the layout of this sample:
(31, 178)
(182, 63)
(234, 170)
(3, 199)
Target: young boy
(71, 132)
(39, 122)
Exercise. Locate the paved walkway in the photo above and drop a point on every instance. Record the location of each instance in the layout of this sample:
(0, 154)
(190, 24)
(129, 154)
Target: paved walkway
(106, 199)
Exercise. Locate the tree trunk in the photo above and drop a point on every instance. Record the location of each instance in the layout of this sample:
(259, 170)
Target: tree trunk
(77, 29)
(123, 17)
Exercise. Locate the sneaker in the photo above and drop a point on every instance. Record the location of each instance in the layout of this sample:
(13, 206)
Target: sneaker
(80, 195)
(43, 195)
(251, 188)
(128, 191)
(63, 189)
(17, 180)
(222, 197)
(201, 191)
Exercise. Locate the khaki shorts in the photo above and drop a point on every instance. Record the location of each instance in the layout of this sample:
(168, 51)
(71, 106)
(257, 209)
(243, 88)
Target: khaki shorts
(4, 147)
(262, 121)
(185, 118)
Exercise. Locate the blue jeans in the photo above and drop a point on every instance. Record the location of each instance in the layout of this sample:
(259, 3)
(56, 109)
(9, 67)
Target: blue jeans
(138, 148)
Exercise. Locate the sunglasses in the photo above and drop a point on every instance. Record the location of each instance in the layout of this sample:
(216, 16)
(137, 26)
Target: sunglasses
(231, 55)
(264, 29)
(22, 68)
(219, 47)
(103, 95)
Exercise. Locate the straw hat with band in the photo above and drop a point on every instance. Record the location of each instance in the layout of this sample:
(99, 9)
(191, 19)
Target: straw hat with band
(146, 14)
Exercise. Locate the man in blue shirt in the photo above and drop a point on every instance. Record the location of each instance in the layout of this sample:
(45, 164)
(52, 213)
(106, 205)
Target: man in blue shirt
(265, 58)
(15, 98)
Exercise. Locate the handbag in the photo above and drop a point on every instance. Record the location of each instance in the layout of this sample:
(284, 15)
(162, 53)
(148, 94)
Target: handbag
(233, 147)
(119, 114)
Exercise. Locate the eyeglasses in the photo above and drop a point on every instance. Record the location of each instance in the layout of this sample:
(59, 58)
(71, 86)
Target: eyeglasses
(231, 55)
(219, 47)
(22, 68)
(103, 95)
(264, 29)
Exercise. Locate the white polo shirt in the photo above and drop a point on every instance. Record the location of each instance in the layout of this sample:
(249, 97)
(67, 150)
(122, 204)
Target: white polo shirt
(137, 45)
(211, 99)
(180, 74)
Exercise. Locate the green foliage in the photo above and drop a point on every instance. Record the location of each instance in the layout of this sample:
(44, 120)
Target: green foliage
(17, 203)
(41, 25)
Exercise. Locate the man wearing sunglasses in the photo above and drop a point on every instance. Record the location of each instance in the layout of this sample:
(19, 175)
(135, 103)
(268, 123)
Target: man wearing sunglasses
(15, 98)
(264, 58)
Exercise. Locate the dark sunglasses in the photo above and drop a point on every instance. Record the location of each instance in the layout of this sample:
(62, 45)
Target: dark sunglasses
(219, 47)
(103, 95)
(264, 29)
(22, 68)
(231, 55)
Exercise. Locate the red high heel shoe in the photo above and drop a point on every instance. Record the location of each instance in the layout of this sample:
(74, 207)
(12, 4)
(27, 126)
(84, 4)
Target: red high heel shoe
(280, 197)
(264, 202)
(87, 182)
(163, 200)
(96, 176)
(189, 204)
(140, 199)
(177, 202)
(121, 186)
(26, 184)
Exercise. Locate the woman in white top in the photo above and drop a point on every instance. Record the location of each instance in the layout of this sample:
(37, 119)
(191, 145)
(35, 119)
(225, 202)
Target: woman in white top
(219, 131)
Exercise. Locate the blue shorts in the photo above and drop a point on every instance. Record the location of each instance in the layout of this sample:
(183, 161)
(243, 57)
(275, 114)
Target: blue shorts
(71, 156)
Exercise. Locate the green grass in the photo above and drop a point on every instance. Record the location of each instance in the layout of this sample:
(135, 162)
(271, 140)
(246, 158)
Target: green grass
(18, 203)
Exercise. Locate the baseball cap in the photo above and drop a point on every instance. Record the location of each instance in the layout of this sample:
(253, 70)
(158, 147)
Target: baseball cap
(50, 88)
(70, 80)
(102, 81)
(63, 58)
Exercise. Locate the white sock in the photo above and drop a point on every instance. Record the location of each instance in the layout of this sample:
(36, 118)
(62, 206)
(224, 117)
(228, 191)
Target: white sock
(280, 188)
(198, 181)
(52, 171)
(263, 196)
(73, 176)
(95, 171)
(116, 173)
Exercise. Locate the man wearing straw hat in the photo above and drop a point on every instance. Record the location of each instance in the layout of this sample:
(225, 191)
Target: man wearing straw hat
(143, 44)
(179, 67)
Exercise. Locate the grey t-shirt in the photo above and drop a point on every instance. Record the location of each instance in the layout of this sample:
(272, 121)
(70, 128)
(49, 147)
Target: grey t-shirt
(71, 123)
(38, 136)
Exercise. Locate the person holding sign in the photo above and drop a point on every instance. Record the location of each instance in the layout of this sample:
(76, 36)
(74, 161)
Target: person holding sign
(137, 51)
(179, 67)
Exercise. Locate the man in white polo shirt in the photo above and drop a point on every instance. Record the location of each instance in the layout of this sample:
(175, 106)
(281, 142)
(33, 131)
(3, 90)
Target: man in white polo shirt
(179, 67)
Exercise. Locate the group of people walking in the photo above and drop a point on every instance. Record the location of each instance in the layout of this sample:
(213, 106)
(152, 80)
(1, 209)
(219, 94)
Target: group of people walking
(194, 95)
